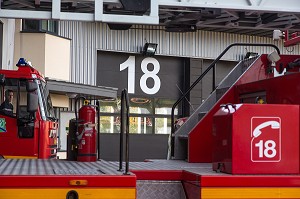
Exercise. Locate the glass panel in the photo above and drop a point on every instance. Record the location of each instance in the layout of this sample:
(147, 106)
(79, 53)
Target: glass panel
(30, 24)
(141, 106)
(141, 125)
(52, 26)
(164, 106)
(110, 106)
(40, 25)
(162, 125)
(109, 124)
(45, 25)
(47, 103)
(23, 101)
(142, 115)
(11, 98)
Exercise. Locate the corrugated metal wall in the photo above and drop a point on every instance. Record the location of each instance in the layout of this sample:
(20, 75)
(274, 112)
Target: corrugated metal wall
(88, 37)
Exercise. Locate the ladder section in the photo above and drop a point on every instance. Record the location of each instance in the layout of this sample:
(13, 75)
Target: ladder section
(181, 135)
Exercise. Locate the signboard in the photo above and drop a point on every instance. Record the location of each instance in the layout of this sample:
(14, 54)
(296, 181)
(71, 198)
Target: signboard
(155, 77)
(257, 139)
(266, 139)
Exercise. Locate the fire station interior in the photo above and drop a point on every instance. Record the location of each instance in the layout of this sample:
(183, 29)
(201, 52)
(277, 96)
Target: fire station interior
(237, 133)
(151, 116)
(144, 117)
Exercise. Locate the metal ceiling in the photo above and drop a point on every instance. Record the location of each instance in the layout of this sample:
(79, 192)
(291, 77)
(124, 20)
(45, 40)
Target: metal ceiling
(251, 17)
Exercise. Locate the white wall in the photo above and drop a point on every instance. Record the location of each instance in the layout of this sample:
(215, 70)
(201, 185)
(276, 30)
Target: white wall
(65, 117)
(57, 57)
(8, 43)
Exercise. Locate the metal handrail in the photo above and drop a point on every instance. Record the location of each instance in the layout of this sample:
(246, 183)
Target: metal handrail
(212, 65)
(124, 96)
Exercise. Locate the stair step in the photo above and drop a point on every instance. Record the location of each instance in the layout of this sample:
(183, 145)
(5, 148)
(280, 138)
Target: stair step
(201, 115)
(183, 136)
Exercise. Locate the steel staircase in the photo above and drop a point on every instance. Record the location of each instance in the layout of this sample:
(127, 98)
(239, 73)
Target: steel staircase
(181, 135)
(181, 138)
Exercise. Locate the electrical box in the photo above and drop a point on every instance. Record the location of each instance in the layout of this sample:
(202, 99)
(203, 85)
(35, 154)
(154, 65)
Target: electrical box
(256, 139)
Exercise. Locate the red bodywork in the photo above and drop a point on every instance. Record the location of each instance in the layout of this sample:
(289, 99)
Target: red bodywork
(291, 40)
(43, 145)
(257, 139)
(279, 90)
(200, 181)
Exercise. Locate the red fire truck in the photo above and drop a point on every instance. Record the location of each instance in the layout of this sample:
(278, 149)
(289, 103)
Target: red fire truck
(30, 131)
(245, 146)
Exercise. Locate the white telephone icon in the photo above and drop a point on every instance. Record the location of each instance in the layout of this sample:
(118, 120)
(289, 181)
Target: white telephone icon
(257, 131)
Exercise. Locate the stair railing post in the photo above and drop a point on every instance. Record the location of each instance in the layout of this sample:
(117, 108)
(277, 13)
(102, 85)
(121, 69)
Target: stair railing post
(121, 132)
(214, 78)
(127, 133)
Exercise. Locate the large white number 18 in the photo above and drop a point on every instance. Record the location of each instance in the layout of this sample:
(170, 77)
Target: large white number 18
(130, 64)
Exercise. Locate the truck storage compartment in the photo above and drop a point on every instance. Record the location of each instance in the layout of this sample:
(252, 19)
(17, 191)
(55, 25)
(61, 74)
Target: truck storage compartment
(256, 139)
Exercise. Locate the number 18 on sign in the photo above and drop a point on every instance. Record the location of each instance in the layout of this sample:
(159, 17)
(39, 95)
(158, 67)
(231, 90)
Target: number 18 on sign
(265, 139)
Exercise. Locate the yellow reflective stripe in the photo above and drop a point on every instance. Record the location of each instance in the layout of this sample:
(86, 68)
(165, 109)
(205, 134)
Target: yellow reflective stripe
(249, 193)
(19, 157)
(84, 193)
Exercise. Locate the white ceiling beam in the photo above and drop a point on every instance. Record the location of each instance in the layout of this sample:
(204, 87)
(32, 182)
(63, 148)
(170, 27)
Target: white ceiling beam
(56, 7)
(98, 10)
(25, 14)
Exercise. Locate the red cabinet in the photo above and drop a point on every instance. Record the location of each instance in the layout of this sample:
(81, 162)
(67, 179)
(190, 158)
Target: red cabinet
(256, 139)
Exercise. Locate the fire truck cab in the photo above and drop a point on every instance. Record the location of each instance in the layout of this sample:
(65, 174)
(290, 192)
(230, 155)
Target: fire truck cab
(30, 131)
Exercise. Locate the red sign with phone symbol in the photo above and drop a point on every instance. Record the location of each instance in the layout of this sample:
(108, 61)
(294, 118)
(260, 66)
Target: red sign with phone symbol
(257, 139)
(266, 139)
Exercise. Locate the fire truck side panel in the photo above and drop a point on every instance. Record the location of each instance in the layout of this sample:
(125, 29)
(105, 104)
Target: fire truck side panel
(250, 192)
(47, 139)
(250, 186)
(61, 193)
(258, 139)
(200, 138)
(11, 143)
(287, 93)
(86, 187)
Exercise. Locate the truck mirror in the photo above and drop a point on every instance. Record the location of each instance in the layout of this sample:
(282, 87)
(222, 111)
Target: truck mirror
(2, 79)
(31, 86)
(32, 102)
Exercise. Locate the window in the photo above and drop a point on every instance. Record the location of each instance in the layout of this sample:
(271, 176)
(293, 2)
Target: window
(11, 84)
(147, 115)
(48, 26)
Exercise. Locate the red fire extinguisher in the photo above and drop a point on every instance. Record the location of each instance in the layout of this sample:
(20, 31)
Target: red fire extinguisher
(87, 136)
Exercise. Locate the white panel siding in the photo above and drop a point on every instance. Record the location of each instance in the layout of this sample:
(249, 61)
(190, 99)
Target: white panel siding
(8, 44)
(88, 37)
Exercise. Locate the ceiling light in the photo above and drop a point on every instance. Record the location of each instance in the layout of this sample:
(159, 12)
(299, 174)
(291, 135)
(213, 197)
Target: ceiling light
(149, 49)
